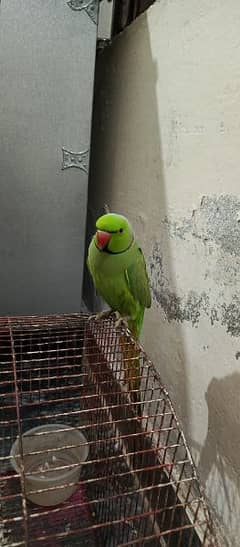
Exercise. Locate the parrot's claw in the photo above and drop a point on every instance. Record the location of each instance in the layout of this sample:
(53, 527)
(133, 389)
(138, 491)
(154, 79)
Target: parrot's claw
(101, 315)
(91, 317)
(121, 321)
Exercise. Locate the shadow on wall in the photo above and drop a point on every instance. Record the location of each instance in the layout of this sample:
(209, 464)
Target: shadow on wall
(220, 453)
(127, 173)
(218, 459)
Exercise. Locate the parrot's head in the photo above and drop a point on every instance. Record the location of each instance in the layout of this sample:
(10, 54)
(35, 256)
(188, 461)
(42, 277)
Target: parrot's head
(114, 233)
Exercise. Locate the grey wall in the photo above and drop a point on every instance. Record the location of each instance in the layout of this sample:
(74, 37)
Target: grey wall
(47, 57)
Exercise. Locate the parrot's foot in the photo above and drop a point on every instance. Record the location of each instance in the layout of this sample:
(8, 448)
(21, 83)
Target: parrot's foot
(101, 315)
(121, 321)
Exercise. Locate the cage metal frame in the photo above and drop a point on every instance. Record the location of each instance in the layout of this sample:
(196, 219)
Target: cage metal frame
(139, 485)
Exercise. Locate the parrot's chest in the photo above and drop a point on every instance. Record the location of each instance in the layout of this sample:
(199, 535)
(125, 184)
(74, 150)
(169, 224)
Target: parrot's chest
(108, 266)
(112, 287)
(110, 280)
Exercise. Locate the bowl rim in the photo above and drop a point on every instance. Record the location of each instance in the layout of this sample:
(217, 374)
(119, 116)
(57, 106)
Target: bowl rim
(66, 473)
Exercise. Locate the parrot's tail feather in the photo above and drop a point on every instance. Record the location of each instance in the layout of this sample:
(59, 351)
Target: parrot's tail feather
(132, 369)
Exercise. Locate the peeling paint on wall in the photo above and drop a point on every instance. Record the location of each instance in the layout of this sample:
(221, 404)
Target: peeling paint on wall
(215, 225)
(216, 221)
(174, 307)
(231, 316)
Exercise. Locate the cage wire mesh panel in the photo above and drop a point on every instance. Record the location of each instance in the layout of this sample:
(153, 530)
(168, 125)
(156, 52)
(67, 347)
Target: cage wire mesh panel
(136, 483)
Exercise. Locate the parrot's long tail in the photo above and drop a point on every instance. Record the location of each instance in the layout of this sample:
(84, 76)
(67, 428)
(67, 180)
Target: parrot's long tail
(132, 370)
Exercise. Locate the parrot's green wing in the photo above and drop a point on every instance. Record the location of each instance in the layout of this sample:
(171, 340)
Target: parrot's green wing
(137, 280)
(92, 274)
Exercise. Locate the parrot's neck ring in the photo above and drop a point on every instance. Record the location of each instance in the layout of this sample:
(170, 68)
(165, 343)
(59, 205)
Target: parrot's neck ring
(115, 252)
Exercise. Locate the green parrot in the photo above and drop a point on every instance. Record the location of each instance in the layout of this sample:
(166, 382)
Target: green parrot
(117, 266)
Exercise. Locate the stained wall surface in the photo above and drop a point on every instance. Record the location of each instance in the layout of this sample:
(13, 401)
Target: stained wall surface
(166, 154)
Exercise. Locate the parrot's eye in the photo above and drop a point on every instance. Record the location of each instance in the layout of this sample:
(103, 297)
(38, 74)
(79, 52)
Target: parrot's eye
(121, 230)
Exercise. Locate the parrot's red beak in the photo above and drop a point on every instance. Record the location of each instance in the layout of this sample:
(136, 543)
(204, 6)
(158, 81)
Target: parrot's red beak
(103, 239)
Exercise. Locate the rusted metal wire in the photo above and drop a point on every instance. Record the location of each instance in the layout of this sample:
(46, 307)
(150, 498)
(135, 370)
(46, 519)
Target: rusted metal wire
(138, 485)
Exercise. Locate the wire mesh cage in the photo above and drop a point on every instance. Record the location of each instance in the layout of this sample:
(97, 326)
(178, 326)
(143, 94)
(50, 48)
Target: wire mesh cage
(79, 465)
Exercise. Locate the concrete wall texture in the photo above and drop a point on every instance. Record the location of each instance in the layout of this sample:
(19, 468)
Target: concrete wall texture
(166, 154)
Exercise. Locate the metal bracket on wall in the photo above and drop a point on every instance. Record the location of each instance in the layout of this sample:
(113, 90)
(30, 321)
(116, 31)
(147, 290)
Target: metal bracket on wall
(79, 160)
(90, 7)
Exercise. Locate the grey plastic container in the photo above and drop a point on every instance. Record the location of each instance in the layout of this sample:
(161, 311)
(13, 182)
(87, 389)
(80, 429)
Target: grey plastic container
(40, 469)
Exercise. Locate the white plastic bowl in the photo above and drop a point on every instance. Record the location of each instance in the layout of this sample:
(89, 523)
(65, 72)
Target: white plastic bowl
(43, 466)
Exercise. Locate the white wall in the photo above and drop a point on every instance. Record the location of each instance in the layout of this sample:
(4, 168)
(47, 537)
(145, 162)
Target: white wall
(166, 153)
